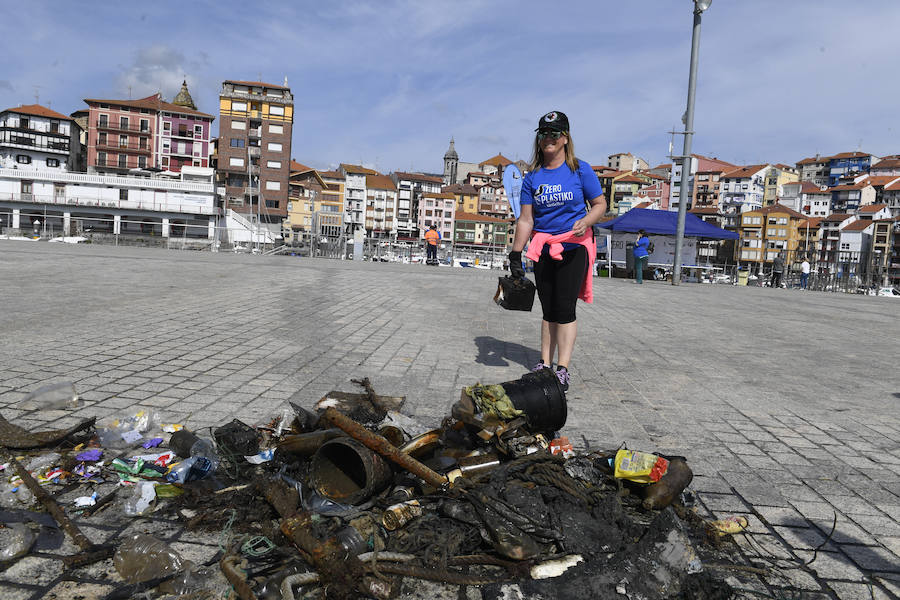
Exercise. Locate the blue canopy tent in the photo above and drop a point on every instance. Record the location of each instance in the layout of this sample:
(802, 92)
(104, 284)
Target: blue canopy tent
(664, 222)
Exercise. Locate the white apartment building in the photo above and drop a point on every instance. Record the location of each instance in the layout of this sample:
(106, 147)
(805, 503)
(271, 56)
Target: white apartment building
(806, 198)
(411, 190)
(743, 189)
(54, 202)
(354, 195)
(381, 207)
(35, 137)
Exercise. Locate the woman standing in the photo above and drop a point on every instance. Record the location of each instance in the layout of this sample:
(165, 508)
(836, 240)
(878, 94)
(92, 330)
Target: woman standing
(555, 218)
(641, 255)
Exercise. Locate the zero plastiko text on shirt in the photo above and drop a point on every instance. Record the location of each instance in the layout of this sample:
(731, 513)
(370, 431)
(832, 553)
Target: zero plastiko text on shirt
(551, 195)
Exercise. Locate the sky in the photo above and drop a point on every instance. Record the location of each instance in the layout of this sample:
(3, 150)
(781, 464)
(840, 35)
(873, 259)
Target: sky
(387, 83)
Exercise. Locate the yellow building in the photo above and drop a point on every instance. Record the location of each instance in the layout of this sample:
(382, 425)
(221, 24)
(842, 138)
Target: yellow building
(776, 177)
(466, 197)
(314, 206)
(766, 231)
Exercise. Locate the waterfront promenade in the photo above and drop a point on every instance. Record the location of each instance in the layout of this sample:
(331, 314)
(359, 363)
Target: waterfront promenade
(785, 403)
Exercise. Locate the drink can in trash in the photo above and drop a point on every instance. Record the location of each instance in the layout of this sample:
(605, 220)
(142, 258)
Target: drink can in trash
(398, 515)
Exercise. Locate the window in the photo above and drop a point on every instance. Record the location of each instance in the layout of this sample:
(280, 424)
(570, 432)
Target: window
(239, 106)
(276, 110)
(276, 128)
(59, 190)
(166, 146)
(123, 141)
(238, 125)
(198, 130)
(27, 189)
(104, 120)
(123, 160)
(273, 164)
(101, 138)
(145, 125)
(52, 162)
(123, 122)
(237, 143)
(54, 126)
(236, 162)
(273, 185)
(123, 194)
(142, 162)
(101, 159)
(23, 159)
(167, 126)
(274, 147)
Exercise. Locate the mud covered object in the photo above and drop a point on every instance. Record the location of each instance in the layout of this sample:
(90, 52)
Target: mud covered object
(238, 437)
(515, 293)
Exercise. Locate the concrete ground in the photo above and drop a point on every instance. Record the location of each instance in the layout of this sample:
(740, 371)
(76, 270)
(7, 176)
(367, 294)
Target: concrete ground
(784, 402)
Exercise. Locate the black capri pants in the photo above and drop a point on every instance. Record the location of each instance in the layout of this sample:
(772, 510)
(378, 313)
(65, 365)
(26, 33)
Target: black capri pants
(558, 283)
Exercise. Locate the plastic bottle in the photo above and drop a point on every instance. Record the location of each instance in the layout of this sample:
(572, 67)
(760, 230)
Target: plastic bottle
(351, 541)
(191, 469)
(142, 557)
(142, 500)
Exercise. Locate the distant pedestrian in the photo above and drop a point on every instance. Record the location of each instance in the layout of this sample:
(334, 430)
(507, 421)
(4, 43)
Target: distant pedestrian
(777, 270)
(804, 274)
(432, 237)
(641, 255)
(555, 219)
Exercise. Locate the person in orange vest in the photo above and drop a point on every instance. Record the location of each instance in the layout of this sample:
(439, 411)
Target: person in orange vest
(432, 236)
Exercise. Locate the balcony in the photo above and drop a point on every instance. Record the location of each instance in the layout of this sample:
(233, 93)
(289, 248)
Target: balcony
(110, 145)
(183, 133)
(33, 130)
(255, 151)
(129, 163)
(161, 202)
(145, 130)
(32, 144)
(254, 133)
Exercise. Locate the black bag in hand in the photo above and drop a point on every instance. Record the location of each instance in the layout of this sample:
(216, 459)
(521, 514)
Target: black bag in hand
(515, 293)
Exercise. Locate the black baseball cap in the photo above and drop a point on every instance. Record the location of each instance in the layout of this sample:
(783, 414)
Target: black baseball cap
(555, 120)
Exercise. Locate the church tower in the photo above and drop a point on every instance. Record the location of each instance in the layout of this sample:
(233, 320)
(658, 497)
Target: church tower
(451, 160)
(184, 97)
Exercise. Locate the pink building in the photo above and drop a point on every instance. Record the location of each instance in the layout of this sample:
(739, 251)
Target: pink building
(147, 133)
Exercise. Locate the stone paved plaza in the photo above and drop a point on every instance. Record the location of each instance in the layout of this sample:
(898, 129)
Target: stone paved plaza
(784, 402)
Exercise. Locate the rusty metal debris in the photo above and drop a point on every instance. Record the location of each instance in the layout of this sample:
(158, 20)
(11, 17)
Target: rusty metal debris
(349, 499)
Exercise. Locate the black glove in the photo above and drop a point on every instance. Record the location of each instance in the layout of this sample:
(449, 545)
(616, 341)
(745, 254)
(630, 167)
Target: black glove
(515, 265)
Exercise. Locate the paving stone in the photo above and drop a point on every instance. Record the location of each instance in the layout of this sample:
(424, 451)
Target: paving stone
(857, 591)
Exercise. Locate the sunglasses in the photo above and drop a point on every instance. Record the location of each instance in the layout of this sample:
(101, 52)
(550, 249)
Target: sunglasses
(553, 135)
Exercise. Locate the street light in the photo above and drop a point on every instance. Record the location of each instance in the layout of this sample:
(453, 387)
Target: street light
(699, 7)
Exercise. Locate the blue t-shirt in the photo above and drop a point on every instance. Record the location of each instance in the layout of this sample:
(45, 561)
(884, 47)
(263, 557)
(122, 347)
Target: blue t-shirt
(642, 247)
(558, 196)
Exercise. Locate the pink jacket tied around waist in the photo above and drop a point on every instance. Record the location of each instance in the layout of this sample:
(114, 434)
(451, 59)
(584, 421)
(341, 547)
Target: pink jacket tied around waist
(539, 240)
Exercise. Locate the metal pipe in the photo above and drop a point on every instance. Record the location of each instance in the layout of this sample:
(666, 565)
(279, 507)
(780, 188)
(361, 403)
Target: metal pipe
(686, 153)
(385, 448)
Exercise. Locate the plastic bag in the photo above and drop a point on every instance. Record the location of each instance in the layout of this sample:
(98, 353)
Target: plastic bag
(54, 396)
(142, 499)
(640, 467)
(142, 557)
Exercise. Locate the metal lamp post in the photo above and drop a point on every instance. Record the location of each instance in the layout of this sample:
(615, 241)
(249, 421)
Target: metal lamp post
(699, 7)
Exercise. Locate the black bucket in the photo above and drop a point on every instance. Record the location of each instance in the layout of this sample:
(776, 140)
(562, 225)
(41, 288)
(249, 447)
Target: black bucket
(541, 397)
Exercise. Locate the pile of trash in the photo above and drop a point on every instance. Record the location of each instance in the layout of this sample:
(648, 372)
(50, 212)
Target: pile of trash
(353, 499)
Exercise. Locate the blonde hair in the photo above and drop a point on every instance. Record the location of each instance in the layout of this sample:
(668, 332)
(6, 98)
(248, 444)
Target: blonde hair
(537, 156)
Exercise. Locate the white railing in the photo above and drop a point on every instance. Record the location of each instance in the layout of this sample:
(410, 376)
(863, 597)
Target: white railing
(155, 205)
(107, 180)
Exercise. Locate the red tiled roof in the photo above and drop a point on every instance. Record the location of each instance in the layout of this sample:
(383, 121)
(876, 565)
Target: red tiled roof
(808, 187)
(878, 180)
(630, 179)
(380, 182)
(851, 155)
(460, 188)
(257, 84)
(331, 174)
(299, 168)
(814, 160)
(358, 169)
(704, 210)
(872, 208)
(857, 225)
(464, 216)
(813, 222)
(418, 177)
(836, 217)
(889, 163)
(154, 102)
(743, 172)
(849, 186)
(643, 205)
(499, 160)
(38, 111)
